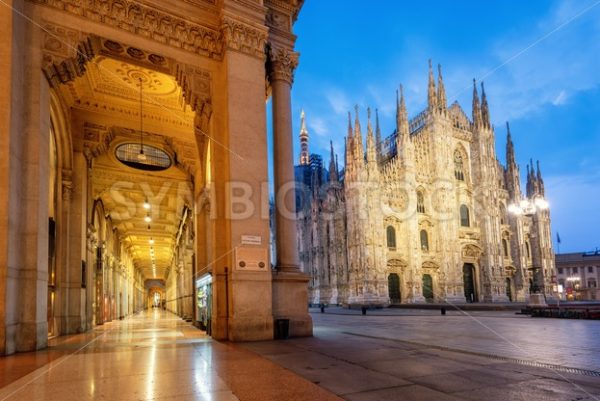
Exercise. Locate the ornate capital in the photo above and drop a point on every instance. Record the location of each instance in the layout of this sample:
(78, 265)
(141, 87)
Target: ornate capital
(244, 38)
(282, 63)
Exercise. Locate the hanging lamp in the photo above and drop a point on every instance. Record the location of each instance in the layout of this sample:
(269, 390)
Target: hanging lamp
(141, 156)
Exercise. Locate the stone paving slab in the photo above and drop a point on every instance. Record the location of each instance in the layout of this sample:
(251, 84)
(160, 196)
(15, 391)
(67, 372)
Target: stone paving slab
(435, 358)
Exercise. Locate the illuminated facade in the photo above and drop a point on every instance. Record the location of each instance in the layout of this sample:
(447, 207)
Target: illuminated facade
(427, 214)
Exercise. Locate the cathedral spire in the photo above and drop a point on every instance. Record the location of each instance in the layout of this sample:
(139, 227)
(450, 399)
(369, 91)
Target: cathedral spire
(485, 111)
(403, 115)
(377, 133)
(304, 154)
(398, 112)
(431, 95)
(441, 93)
(476, 106)
(349, 150)
(532, 187)
(358, 143)
(333, 173)
(540, 181)
(510, 148)
(371, 152)
(349, 125)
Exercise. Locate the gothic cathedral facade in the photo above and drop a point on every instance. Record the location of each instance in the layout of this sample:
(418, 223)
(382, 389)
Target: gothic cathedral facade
(428, 214)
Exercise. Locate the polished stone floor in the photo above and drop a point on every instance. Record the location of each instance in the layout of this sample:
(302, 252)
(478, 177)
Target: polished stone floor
(151, 356)
(386, 355)
(421, 355)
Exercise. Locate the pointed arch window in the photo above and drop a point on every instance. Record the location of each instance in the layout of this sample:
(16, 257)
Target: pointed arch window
(528, 249)
(420, 202)
(505, 247)
(459, 173)
(424, 240)
(465, 220)
(391, 237)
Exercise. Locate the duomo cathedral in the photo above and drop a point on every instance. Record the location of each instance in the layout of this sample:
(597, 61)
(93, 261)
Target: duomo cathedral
(426, 214)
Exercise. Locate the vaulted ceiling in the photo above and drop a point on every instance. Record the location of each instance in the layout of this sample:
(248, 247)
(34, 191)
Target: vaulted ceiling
(107, 99)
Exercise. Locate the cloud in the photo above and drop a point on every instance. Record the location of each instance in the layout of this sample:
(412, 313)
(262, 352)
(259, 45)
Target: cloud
(573, 215)
(560, 99)
(338, 101)
(559, 56)
(318, 126)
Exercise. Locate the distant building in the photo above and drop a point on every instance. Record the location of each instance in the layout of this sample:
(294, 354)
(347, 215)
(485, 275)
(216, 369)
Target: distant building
(579, 274)
(427, 214)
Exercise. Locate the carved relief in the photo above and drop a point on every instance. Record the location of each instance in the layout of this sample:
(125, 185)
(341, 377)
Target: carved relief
(67, 190)
(244, 38)
(471, 252)
(278, 20)
(65, 54)
(146, 21)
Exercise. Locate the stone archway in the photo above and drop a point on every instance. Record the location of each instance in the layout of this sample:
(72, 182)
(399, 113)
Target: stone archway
(396, 280)
(470, 288)
(218, 60)
(471, 274)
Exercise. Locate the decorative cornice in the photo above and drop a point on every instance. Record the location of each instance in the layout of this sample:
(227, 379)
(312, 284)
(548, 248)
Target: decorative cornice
(146, 21)
(282, 63)
(244, 38)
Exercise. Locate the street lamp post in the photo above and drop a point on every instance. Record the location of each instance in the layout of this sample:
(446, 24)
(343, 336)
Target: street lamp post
(529, 207)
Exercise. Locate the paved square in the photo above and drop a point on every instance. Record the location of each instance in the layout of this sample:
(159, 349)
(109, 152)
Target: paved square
(421, 355)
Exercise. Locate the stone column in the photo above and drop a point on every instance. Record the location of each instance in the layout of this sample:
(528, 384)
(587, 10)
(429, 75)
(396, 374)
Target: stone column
(282, 65)
(11, 172)
(290, 285)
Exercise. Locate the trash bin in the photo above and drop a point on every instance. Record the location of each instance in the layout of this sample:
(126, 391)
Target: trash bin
(282, 329)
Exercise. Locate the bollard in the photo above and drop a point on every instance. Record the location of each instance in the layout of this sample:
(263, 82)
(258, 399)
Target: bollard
(364, 310)
(443, 311)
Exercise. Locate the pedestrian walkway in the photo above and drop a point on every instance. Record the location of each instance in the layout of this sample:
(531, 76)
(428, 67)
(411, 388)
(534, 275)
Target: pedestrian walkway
(151, 356)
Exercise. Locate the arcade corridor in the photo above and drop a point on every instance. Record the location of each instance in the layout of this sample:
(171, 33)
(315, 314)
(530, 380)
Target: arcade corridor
(153, 355)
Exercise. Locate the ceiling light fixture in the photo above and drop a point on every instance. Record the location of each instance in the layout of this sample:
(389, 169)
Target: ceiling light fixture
(148, 219)
(151, 241)
(146, 204)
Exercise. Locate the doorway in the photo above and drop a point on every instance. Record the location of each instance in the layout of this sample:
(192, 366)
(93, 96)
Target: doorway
(394, 288)
(508, 289)
(428, 287)
(469, 282)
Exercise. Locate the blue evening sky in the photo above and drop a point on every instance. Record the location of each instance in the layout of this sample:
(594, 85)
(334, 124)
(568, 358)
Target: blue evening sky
(358, 52)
